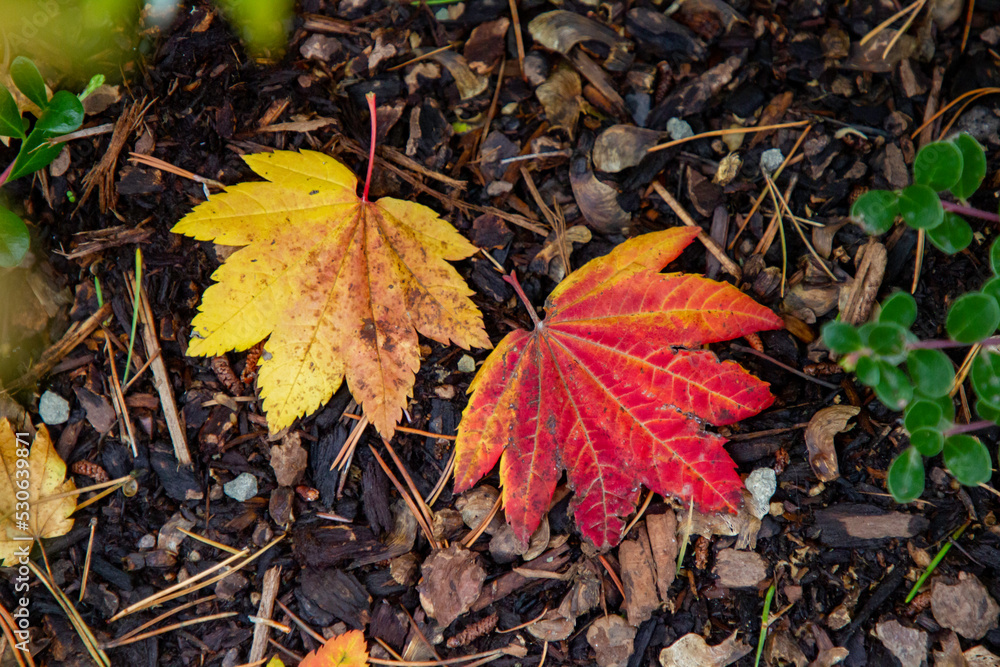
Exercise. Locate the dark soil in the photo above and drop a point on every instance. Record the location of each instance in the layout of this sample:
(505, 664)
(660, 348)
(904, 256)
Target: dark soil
(209, 99)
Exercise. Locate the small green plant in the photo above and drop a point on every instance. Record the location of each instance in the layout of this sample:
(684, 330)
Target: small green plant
(957, 166)
(59, 115)
(878, 352)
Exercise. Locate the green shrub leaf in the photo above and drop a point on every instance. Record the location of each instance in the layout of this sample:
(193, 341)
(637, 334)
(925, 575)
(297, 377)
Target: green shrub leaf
(875, 211)
(900, 308)
(921, 207)
(29, 81)
(887, 340)
(953, 234)
(10, 117)
(985, 376)
(14, 239)
(972, 318)
(64, 114)
(931, 371)
(927, 441)
(988, 411)
(867, 371)
(841, 338)
(938, 165)
(973, 166)
(922, 413)
(894, 388)
(995, 257)
(906, 476)
(968, 459)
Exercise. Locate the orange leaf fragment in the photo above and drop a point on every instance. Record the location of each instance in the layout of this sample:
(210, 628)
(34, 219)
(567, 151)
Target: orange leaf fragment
(606, 389)
(346, 650)
(342, 286)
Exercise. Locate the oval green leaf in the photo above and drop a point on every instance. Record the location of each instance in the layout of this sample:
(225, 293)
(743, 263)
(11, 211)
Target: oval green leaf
(992, 288)
(921, 207)
(875, 211)
(938, 165)
(867, 371)
(953, 234)
(10, 116)
(985, 376)
(64, 114)
(995, 257)
(894, 388)
(932, 372)
(922, 413)
(968, 459)
(927, 441)
(14, 239)
(972, 318)
(900, 308)
(29, 81)
(887, 340)
(906, 476)
(947, 405)
(973, 166)
(988, 411)
(841, 338)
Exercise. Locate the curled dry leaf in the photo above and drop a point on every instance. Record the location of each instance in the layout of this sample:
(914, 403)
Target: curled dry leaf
(692, 651)
(561, 30)
(819, 435)
(549, 258)
(597, 200)
(341, 285)
(622, 146)
(289, 460)
(614, 343)
(611, 638)
(561, 95)
(31, 475)
(469, 83)
(452, 580)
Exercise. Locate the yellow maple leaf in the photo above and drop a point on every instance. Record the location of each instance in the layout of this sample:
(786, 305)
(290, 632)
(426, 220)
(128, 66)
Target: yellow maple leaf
(29, 477)
(341, 285)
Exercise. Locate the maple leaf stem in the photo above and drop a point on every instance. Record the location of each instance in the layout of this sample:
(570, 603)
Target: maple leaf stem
(511, 279)
(371, 149)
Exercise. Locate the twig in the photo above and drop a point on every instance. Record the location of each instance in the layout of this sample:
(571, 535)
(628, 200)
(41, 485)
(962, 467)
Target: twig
(269, 592)
(731, 267)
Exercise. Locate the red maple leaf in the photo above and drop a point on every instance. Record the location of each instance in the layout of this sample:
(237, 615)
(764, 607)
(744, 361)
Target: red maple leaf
(605, 389)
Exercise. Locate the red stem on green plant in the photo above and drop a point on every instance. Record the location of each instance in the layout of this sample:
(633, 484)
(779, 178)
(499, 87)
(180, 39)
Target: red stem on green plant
(965, 428)
(970, 211)
(371, 149)
(6, 173)
(511, 279)
(945, 344)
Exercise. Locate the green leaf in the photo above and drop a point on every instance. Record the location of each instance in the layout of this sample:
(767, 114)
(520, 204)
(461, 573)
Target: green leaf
(988, 411)
(973, 166)
(14, 239)
(875, 211)
(906, 476)
(887, 340)
(927, 441)
(968, 459)
(995, 257)
(992, 288)
(900, 308)
(921, 207)
(894, 388)
(29, 81)
(947, 405)
(932, 372)
(65, 114)
(972, 318)
(922, 413)
(10, 118)
(985, 376)
(953, 234)
(938, 165)
(95, 82)
(867, 371)
(841, 338)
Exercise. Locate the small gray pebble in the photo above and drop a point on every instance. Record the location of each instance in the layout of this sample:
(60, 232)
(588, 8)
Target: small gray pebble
(679, 129)
(147, 541)
(467, 364)
(761, 483)
(244, 487)
(770, 160)
(53, 408)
